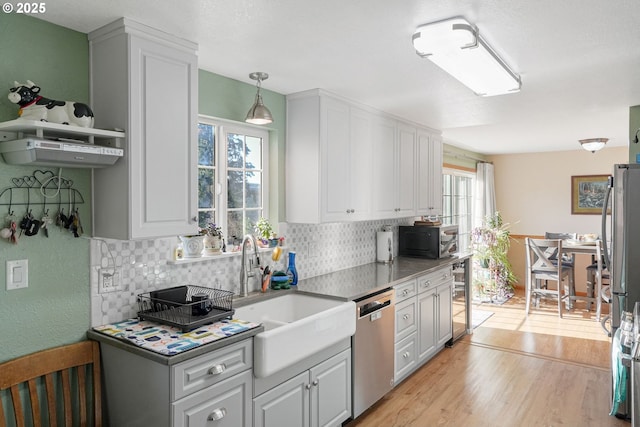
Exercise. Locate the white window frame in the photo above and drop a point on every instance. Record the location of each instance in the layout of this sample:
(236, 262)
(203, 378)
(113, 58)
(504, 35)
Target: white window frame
(221, 129)
(466, 174)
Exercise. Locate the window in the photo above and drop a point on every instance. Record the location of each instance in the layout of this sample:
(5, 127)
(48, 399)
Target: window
(457, 202)
(232, 176)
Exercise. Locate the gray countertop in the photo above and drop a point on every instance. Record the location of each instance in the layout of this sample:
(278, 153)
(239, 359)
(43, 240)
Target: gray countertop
(357, 282)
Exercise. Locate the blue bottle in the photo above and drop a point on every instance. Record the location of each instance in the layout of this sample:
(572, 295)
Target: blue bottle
(291, 269)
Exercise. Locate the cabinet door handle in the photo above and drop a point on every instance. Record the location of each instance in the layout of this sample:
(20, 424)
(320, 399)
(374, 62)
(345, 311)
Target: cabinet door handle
(315, 382)
(194, 219)
(307, 386)
(217, 414)
(217, 370)
(406, 355)
(405, 317)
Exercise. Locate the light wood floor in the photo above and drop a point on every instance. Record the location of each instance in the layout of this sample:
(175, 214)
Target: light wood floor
(512, 371)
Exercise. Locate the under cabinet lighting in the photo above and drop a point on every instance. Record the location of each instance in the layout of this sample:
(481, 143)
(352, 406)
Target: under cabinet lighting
(456, 46)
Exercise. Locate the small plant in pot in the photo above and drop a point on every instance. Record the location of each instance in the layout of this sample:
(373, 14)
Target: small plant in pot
(212, 238)
(264, 231)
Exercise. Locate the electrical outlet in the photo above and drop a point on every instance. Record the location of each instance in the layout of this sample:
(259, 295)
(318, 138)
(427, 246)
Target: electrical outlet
(109, 280)
(313, 249)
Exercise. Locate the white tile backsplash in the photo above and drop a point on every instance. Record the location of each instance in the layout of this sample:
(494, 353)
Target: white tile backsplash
(143, 264)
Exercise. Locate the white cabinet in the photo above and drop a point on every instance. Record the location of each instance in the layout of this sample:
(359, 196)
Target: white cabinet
(215, 386)
(318, 397)
(328, 159)
(394, 166)
(429, 172)
(145, 82)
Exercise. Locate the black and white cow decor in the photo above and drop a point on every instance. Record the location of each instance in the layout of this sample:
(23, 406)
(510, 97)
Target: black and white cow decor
(36, 107)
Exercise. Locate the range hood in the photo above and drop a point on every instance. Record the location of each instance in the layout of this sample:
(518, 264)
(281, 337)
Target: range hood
(58, 152)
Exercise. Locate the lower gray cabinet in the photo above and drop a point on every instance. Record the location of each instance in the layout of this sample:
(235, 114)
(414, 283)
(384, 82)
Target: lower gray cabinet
(211, 389)
(226, 404)
(318, 397)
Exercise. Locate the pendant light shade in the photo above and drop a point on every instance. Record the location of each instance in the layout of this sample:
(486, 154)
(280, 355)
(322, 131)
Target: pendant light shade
(593, 144)
(259, 114)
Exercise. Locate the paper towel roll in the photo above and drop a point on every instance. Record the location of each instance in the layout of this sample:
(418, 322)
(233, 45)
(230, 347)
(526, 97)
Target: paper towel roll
(384, 252)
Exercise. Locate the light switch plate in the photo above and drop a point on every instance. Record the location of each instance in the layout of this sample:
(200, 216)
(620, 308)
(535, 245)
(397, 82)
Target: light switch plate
(17, 274)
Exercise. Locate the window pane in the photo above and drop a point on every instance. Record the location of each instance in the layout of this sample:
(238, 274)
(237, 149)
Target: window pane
(206, 187)
(205, 217)
(235, 194)
(235, 150)
(254, 190)
(206, 144)
(252, 218)
(254, 152)
(235, 227)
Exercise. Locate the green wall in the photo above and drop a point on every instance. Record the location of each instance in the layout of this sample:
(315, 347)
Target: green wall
(230, 99)
(54, 309)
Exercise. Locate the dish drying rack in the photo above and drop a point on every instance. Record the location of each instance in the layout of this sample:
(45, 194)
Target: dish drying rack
(177, 306)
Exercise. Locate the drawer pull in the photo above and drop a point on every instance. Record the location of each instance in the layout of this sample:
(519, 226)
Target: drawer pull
(217, 414)
(405, 317)
(218, 369)
(406, 355)
(405, 292)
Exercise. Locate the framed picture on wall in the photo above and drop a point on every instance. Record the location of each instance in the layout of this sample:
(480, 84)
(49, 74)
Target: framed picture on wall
(587, 194)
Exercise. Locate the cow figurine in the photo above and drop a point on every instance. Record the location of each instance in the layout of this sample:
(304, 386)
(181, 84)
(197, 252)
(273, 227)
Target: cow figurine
(36, 107)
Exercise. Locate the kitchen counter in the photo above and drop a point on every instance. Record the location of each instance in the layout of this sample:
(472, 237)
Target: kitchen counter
(356, 282)
(176, 358)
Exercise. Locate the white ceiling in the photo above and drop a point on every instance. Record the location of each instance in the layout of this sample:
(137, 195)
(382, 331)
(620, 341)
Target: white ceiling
(579, 59)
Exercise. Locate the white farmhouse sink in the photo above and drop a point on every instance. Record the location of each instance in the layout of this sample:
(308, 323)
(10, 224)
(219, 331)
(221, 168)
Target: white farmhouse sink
(296, 326)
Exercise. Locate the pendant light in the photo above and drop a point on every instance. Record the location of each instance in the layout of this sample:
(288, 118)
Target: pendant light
(259, 114)
(593, 144)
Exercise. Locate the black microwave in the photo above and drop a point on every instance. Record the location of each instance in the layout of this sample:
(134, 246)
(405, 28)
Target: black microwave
(426, 241)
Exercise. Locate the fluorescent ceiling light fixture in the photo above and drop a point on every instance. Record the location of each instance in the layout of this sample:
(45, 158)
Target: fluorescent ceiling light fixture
(258, 114)
(593, 144)
(456, 46)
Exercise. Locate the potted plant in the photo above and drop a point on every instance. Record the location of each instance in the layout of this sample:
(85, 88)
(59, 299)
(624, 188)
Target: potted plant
(212, 238)
(265, 232)
(494, 279)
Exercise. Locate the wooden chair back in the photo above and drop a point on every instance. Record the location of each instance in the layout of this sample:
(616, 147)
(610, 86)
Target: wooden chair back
(58, 386)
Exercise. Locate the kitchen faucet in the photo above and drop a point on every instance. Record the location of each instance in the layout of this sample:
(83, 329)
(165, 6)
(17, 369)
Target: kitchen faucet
(246, 273)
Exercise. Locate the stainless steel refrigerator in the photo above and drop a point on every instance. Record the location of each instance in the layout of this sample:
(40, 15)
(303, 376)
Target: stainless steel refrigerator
(622, 257)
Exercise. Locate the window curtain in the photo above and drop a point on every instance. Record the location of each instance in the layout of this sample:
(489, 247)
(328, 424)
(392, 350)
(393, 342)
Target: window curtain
(485, 192)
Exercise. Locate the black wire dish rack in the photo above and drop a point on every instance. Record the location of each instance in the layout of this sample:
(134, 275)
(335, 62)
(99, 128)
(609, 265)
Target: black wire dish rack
(186, 307)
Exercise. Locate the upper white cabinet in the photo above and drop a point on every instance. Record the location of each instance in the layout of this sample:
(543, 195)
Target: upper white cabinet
(145, 82)
(328, 159)
(347, 162)
(429, 172)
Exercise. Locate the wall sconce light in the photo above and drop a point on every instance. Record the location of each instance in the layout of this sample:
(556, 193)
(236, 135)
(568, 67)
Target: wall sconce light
(259, 114)
(456, 46)
(593, 144)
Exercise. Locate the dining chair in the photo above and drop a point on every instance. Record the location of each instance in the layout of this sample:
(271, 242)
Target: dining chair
(58, 386)
(568, 260)
(598, 280)
(541, 269)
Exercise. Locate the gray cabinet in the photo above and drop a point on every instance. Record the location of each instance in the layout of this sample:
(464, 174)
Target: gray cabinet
(215, 386)
(434, 312)
(318, 397)
(145, 82)
(423, 319)
(429, 171)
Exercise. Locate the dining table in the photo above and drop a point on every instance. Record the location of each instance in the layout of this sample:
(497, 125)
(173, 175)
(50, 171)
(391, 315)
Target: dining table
(594, 248)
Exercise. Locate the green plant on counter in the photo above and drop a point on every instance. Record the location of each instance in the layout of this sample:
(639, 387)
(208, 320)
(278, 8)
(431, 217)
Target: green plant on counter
(490, 244)
(264, 230)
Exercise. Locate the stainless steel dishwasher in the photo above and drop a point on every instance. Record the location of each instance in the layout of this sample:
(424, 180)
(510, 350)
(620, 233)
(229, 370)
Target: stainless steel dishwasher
(373, 349)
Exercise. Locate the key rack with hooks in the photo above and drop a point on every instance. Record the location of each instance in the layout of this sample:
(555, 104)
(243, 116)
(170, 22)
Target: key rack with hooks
(45, 190)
